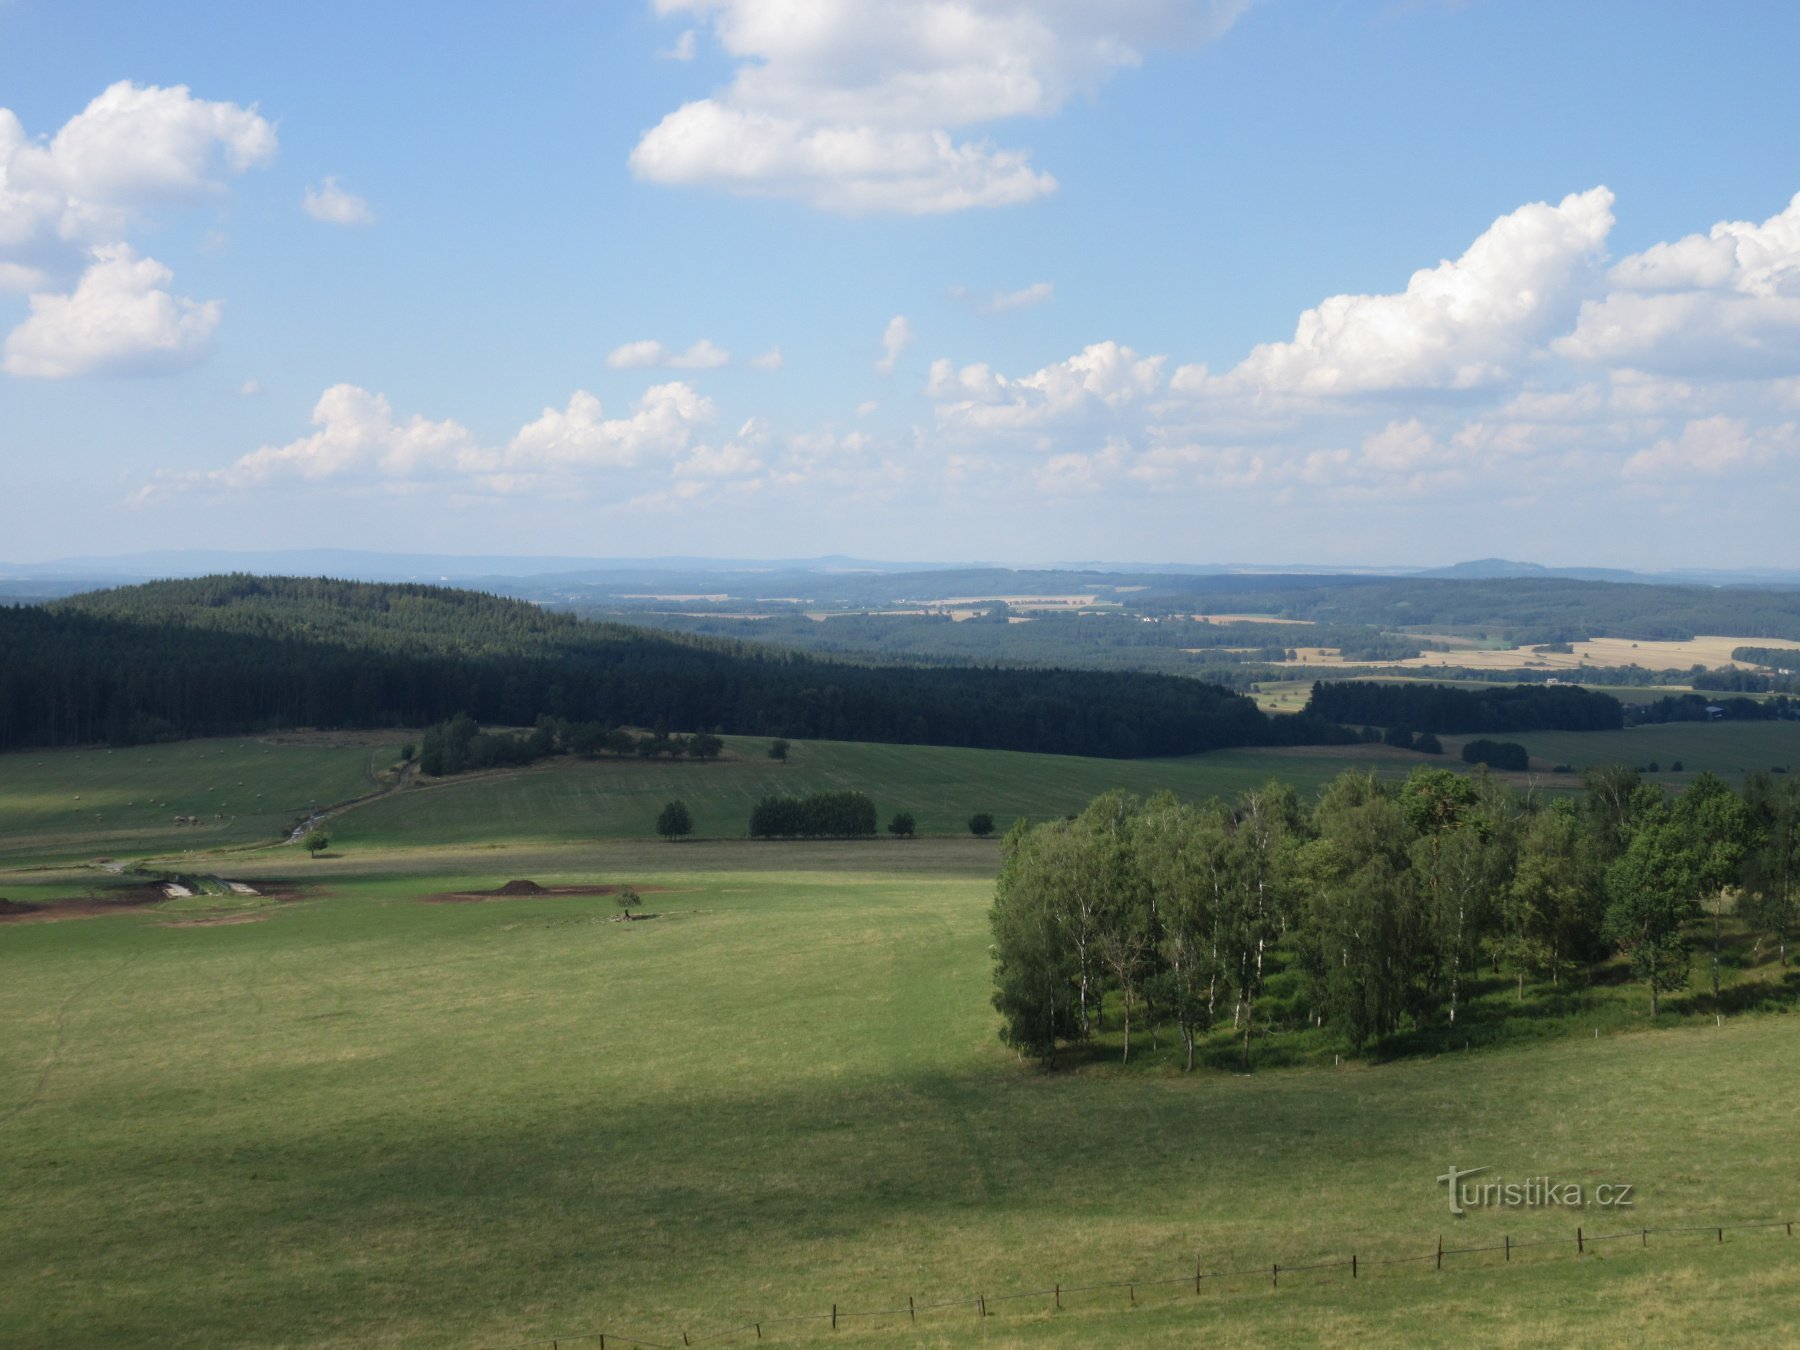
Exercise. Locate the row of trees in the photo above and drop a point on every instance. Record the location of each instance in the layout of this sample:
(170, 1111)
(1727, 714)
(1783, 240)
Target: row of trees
(1447, 709)
(823, 815)
(827, 815)
(459, 744)
(1388, 900)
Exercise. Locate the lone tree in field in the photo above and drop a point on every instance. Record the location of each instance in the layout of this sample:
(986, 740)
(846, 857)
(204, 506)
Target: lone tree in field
(981, 824)
(778, 750)
(628, 900)
(902, 825)
(675, 822)
(316, 842)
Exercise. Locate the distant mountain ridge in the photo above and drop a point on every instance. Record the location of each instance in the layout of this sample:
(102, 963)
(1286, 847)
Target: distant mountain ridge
(67, 575)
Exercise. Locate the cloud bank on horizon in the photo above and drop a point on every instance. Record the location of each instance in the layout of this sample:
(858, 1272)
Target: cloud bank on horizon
(1532, 371)
(1524, 360)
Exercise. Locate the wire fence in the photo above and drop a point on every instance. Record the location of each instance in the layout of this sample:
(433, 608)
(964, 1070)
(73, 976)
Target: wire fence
(1053, 1295)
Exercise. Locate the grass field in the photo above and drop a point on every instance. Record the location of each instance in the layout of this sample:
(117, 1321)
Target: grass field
(1728, 749)
(363, 1119)
(99, 802)
(351, 1117)
(67, 805)
(941, 787)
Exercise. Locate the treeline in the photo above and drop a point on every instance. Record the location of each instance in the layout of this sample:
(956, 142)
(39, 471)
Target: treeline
(1524, 611)
(823, 815)
(1781, 658)
(1390, 901)
(1699, 708)
(1746, 682)
(230, 655)
(460, 745)
(1091, 639)
(1445, 709)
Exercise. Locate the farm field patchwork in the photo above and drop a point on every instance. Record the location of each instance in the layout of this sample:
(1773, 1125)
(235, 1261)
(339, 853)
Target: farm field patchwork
(1711, 651)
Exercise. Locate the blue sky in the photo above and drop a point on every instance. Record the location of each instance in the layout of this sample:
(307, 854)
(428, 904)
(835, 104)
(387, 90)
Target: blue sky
(1154, 280)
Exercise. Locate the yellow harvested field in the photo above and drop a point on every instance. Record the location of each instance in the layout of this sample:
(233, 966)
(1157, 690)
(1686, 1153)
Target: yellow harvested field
(1712, 652)
(1245, 618)
(1022, 601)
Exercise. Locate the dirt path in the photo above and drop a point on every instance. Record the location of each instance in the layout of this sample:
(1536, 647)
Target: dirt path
(408, 772)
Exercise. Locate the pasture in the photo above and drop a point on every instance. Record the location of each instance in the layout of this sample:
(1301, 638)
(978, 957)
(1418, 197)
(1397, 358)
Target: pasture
(63, 804)
(364, 1109)
(366, 1119)
(940, 786)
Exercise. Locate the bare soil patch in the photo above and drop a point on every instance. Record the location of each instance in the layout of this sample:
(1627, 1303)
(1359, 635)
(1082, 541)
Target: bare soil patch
(114, 901)
(525, 890)
(218, 920)
(122, 900)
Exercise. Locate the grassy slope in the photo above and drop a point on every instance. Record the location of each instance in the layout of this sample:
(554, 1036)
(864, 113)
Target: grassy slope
(89, 803)
(942, 787)
(368, 1120)
(1729, 749)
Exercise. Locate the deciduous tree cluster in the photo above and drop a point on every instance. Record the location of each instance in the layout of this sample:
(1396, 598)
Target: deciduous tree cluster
(1388, 900)
(824, 815)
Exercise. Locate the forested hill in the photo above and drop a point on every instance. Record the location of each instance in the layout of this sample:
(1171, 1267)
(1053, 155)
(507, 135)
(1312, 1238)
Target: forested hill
(226, 655)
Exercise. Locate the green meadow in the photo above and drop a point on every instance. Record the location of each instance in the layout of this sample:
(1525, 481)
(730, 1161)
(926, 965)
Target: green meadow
(363, 1109)
(568, 799)
(101, 802)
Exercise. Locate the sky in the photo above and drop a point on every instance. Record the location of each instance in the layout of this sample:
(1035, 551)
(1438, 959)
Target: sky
(1269, 281)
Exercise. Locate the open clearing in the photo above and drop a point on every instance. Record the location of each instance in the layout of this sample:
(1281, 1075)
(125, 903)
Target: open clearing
(329, 1114)
(99, 802)
(371, 1121)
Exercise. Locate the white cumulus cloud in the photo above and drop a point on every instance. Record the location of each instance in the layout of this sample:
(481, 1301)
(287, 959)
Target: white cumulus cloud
(1465, 324)
(334, 205)
(650, 354)
(1723, 303)
(132, 147)
(895, 339)
(67, 205)
(358, 437)
(850, 105)
(119, 320)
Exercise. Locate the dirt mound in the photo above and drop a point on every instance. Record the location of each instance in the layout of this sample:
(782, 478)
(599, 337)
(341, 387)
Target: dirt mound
(15, 907)
(508, 892)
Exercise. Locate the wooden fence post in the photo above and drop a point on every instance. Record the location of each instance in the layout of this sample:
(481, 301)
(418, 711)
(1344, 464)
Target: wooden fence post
(981, 1305)
(1275, 1275)
(1721, 1235)
(1508, 1241)
(834, 1317)
(1353, 1265)
(1059, 1298)
(1440, 1252)
(1580, 1246)
(1197, 1264)
(911, 1312)
(1131, 1289)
